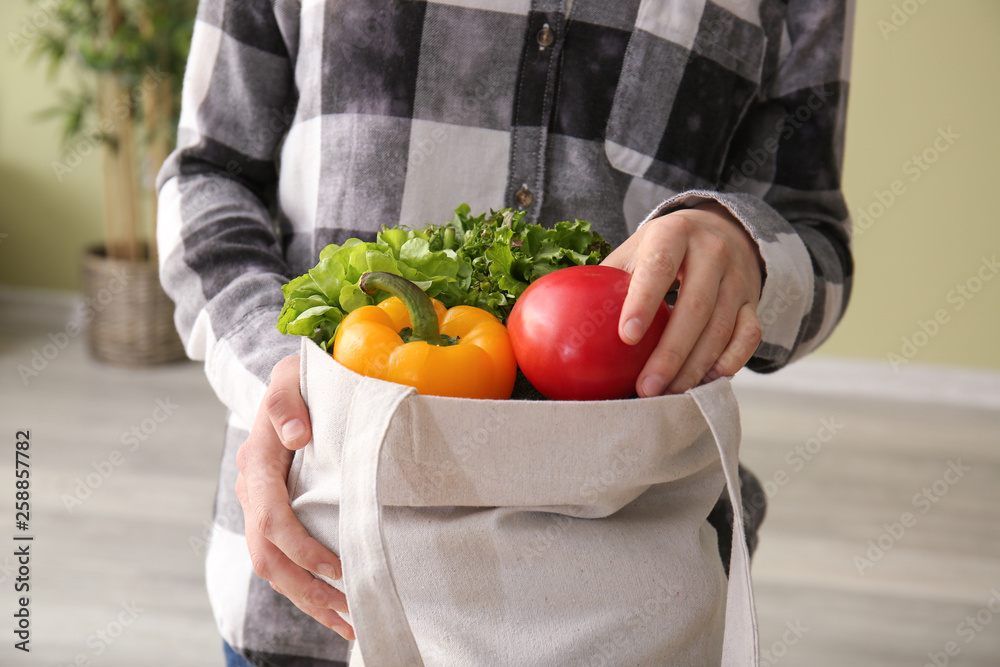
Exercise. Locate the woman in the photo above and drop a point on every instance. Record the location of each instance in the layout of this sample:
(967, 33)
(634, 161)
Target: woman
(704, 139)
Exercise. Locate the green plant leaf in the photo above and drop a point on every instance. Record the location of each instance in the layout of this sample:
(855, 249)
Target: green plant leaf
(494, 258)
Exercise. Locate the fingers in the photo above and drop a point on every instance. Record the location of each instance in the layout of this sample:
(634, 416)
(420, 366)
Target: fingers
(658, 260)
(280, 548)
(284, 405)
(743, 344)
(326, 617)
(264, 464)
(293, 581)
(310, 594)
(697, 303)
(723, 334)
(713, 328)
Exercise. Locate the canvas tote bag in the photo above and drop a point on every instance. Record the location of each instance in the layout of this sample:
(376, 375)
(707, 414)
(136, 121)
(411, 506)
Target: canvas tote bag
(510, 533)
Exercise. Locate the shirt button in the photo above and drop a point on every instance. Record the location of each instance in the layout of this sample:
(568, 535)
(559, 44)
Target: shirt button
(546, 36)
(525, 197)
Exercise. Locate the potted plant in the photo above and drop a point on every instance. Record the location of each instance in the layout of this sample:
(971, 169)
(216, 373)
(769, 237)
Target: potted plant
(132, 55)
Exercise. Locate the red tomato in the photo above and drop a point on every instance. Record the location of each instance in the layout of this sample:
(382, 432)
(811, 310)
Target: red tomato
(564, 330)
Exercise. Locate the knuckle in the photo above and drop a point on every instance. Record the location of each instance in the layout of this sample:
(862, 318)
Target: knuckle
(297, 553)
(743, 347)
(316, 596)
(670, 360)
(746, 287)
(753, 333)
(258, 560)
(750, 331)
(275, 470)
(743, 278)
(686, 380)
(305, 608)
(284, 367)
(276, 402)
(720, 330)
(242, 455)
(678, 222)
(656, 225)
(659, 262)
(717, 250)
(699, 302)
(264, 520)
(728, 363)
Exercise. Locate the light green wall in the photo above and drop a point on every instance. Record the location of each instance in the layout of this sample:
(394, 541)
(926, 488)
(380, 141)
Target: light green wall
(939, 70)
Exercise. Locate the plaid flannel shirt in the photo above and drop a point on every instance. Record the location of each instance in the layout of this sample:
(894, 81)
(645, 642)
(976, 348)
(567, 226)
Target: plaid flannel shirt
(306, 122)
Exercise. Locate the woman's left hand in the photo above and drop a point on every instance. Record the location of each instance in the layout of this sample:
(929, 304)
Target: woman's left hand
(713, 329)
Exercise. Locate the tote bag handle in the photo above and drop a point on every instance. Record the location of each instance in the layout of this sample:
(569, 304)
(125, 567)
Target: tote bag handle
(740, 645)
(376, 609)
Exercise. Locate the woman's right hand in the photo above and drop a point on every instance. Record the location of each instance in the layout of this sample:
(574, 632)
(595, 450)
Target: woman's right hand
(280, 548)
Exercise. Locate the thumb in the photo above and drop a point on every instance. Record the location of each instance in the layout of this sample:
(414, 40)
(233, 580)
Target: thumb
(284, 405)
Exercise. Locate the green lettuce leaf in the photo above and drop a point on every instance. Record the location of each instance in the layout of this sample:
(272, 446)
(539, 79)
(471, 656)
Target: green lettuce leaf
(485, 260)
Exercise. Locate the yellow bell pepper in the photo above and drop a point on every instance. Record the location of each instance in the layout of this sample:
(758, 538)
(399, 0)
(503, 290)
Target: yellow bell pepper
(400, 340)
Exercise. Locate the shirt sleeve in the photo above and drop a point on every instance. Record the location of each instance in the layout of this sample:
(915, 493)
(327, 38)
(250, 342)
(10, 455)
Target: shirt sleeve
(782, 180)
(221, 258)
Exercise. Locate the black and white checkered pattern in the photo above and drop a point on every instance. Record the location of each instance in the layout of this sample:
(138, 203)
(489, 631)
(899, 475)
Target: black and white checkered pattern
(306, 122)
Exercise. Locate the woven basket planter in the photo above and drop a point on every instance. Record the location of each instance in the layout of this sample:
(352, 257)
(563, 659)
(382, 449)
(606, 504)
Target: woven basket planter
(130, 319)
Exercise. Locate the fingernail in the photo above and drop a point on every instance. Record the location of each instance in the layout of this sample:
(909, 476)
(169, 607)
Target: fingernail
(712, 375)
(653, 385)
(328, 571)
(292, 430)
(634, 330)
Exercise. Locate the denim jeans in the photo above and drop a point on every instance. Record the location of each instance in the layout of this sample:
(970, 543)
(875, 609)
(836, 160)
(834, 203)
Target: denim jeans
(234, 659)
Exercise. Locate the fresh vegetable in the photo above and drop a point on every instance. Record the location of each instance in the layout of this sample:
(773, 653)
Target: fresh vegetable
(412, 339)
(485, 261)
(315, 303)
(506, 254)
(564, 330)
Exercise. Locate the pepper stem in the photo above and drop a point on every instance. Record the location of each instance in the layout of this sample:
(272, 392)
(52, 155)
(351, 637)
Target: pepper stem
(423, 317)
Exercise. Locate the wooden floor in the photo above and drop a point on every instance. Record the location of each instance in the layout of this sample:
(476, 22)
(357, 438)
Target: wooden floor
(857, 565)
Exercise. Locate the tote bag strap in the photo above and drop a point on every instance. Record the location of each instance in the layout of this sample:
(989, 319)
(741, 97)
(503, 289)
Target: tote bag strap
(718, 405)
(377, 613)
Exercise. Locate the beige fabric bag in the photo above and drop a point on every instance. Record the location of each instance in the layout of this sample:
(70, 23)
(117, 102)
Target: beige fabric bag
(513, 533)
